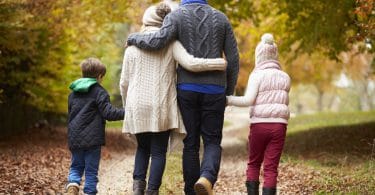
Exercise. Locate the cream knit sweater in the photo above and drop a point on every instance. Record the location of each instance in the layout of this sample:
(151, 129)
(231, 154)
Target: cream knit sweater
(148, 86)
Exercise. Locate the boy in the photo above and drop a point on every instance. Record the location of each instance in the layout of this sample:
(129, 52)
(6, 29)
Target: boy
(88, 109)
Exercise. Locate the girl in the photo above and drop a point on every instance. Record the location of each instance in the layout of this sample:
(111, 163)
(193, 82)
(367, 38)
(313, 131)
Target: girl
(267, 94)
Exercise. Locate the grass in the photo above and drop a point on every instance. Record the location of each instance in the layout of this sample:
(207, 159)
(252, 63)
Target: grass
(118, 124)
(172, 178)
(339, 146)
(308, 122)
(227, 123)
(114, 124)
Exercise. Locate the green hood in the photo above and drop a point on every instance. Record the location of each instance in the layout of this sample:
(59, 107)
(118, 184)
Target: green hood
(83, 84)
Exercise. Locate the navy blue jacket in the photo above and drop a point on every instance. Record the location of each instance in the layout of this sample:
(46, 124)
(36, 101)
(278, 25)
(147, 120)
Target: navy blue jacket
(87, 115)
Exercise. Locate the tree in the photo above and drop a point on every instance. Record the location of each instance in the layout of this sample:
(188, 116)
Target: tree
(33, 50)
(328, 25)
(41, 44)
(314, 69)
(249, 32)
(358, 66)
(236, 10)
(43, 41)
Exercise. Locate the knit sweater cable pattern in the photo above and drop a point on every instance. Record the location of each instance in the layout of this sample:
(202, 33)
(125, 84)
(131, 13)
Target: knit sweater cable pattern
(205, 32)
(148, 86)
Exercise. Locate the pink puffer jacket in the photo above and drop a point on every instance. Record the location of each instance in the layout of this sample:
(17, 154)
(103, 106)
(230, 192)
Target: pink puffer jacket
(271, 103)
(267, 94)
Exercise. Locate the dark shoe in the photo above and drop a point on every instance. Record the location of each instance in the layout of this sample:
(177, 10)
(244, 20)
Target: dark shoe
(139, 187)
(152, 192)
(252, 187)
(269, 191)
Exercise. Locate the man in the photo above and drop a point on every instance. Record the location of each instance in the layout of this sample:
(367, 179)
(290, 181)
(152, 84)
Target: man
(205, 32)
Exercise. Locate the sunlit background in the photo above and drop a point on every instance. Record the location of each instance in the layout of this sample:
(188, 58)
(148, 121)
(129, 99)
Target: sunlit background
(327, 47)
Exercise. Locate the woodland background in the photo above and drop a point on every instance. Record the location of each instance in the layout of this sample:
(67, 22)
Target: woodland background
(326, 46)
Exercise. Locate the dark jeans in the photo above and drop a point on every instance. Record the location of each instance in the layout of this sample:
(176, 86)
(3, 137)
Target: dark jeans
(203, 115)
(154, 145)
(85, 160)
(266, 142)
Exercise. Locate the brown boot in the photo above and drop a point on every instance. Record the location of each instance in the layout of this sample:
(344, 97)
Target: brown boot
(73, 189)
(203, 187)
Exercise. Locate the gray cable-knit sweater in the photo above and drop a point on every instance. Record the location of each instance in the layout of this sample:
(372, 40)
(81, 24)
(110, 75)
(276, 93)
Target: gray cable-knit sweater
(204, 32)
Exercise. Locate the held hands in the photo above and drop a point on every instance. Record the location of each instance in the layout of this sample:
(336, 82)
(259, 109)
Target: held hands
(228, 101)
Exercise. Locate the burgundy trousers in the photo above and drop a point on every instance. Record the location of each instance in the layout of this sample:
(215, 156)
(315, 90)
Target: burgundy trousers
(266, 142)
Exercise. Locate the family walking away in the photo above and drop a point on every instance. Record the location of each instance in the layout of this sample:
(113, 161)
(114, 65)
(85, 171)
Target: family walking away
(175, 85)
(206, 33)
(147, 85)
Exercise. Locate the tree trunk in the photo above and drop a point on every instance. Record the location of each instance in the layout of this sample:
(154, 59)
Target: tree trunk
(320, 100)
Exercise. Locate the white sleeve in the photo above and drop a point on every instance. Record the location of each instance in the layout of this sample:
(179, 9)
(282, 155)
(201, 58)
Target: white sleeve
(194, 64)
(124, 79)
(250, 95)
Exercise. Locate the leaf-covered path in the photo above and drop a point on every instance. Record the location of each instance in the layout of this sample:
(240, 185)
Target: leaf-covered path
(38, 162)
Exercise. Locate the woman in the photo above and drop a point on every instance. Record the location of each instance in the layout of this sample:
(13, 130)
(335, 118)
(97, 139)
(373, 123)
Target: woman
(148, 89)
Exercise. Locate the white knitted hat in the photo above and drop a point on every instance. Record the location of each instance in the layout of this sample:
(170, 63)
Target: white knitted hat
(266, 49)
(172, 4)
(154, 15)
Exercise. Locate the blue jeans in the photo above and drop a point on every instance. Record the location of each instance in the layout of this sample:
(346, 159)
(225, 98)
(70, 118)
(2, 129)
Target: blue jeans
(85, 160)
(203, 116)
(154, 145)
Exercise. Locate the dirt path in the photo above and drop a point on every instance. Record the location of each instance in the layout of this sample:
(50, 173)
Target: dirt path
(37, 162)
(116, 174)
(116, 170)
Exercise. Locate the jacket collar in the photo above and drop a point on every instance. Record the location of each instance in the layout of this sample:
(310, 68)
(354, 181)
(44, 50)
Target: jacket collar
(184, 2)
(268, 64)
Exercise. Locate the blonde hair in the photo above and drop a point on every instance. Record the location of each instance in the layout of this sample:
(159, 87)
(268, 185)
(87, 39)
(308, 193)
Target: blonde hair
(92, 68)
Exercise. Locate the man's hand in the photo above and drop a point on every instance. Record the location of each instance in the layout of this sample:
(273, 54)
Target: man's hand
(127, 43)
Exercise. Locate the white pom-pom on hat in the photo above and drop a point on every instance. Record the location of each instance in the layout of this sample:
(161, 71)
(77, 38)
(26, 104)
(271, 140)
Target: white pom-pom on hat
(268, 38)
(266, 49)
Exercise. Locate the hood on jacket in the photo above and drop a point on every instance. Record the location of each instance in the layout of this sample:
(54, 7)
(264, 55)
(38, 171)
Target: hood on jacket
(83, 84)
